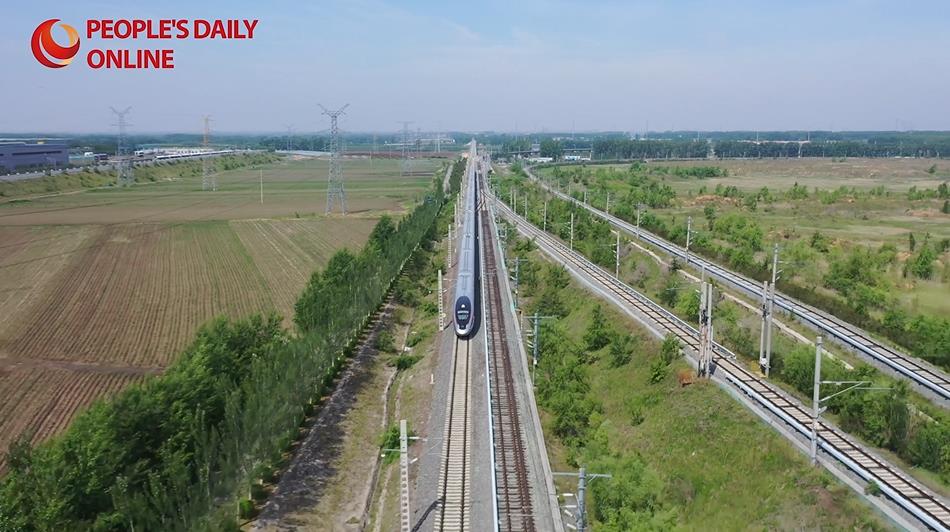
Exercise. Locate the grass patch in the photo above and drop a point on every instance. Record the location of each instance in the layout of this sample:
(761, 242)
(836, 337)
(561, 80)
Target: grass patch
(686, 457)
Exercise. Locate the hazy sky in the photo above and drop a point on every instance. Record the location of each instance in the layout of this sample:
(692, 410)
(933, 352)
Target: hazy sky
(500, 65)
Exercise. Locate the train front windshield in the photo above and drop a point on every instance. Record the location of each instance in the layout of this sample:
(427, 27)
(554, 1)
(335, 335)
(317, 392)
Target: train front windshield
(463, 311)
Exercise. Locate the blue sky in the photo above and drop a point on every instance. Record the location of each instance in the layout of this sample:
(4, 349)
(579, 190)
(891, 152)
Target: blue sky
(495, 65)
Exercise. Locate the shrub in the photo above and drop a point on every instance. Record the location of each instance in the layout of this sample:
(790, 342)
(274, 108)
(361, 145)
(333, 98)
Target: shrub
(598, 332)
(246, 509)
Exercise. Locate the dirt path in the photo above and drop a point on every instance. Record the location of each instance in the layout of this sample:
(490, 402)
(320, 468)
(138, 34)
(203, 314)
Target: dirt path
(334, 452)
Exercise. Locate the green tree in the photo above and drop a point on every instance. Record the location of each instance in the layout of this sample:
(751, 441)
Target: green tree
(598, 332)
(687, 305)
(621, 349)
(897, 415)
(669, 294)
(551, 148)
(911, 241)
(710, 213)
(670, 349)
(557, 276)
(923, 263)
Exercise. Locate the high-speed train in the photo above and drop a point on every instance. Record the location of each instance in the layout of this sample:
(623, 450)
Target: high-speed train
(466, 315)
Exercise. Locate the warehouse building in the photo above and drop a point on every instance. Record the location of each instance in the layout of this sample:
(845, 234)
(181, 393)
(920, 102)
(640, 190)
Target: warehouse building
(26, 154)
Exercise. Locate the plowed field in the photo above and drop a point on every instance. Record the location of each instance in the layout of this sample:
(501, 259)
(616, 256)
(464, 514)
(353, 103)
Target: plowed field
(103, 288)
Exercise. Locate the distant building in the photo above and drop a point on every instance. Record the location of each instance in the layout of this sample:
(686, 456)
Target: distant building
(24, 154)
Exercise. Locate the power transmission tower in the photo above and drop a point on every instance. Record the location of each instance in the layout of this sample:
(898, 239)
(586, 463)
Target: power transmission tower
(209, 181)
(406, 168)
(372, 154)
(335, 178)
(124, 175)
(290, 136)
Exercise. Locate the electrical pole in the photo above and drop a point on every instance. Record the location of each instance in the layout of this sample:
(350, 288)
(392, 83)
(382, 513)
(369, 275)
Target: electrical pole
(639, 210)
(536, 339)
(705, 326)
(816, 403)
(545, 222)
(817, 399)
(517, 262)
(209, 181)
(441, 304)
(617, 266)
(763, 361)
(335, 192)
(406, 165)
(572, 230)
(405, 517)
(608, 204)
(262, 186)
(449, 252)
(768, 311)
(689, 233)
(580, 517)
(124, 175)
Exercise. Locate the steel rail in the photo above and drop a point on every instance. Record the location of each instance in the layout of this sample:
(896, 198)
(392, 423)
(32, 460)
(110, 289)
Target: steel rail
(928, 378)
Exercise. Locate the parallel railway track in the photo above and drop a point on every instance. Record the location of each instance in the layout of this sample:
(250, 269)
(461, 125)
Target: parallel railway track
(512, 490)
(930, 509)
(931, 380)
(455, 470)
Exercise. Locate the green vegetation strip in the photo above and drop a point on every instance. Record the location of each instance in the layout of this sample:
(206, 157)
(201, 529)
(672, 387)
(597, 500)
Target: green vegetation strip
(681, 456)
(188, 449)
(855, 287)
(158, 171)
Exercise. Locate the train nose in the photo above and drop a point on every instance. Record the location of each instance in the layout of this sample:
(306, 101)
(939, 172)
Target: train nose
(463, 312)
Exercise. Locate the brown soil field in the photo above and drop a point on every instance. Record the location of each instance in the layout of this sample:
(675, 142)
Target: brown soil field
(752, 174)
(101, 288)
(287, 251)
(41, 401)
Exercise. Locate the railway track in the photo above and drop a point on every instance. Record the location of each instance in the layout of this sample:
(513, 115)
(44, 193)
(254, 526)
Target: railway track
(455, 470)
(929, 379)
(512, 487)
(931, 510)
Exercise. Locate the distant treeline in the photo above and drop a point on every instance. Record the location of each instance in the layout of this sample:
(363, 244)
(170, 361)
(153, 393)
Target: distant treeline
(605, 145)
(738, 145)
